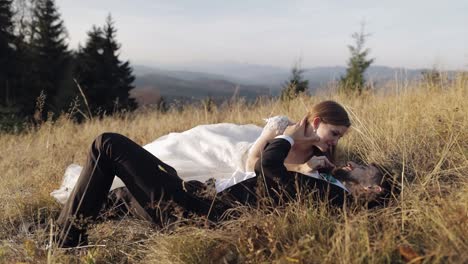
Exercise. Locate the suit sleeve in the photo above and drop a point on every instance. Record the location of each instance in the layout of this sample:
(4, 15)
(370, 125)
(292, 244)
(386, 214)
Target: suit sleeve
(270, 168)
(271, 161)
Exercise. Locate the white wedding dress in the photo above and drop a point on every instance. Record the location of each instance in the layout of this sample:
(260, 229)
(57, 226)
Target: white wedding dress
(216, 151)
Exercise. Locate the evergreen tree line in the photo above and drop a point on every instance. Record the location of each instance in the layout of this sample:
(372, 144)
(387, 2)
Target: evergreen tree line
(353, 82)
(36, 62)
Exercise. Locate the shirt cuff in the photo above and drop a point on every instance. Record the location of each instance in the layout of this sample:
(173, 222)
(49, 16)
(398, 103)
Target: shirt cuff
(288, 138)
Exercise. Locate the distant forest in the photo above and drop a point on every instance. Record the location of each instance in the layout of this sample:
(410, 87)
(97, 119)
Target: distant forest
(41, 76)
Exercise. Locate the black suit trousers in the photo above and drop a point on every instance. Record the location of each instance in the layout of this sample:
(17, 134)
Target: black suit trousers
(149, 180)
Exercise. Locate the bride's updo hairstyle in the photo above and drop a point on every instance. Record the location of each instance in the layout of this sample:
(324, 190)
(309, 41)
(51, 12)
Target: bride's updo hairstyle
(330, 112)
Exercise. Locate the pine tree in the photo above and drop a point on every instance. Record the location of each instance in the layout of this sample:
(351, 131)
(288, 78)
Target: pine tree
(105, 79)
(354, 79)
(7, 54)
(50, 53)
(121, 75)
(24, 98)
(90, 70)
(296, 84)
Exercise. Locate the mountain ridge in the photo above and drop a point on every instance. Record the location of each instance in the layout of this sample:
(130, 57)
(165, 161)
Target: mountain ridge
(195, 82)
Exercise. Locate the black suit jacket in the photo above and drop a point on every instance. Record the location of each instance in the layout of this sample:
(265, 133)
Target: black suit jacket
(276, 182)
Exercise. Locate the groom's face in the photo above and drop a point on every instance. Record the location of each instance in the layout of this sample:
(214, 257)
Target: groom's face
(365, 175)
(361, 180)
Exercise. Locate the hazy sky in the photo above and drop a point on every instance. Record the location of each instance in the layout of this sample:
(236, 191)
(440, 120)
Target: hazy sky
(404, 33)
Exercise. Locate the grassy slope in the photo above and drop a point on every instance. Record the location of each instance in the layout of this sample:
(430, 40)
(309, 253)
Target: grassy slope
(420, 135)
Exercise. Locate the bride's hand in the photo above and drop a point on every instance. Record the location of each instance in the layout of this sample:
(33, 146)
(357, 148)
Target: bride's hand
(317, 162)
(297, 132)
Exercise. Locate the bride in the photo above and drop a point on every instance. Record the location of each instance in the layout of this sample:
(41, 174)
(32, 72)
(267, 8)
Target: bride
(228, 152)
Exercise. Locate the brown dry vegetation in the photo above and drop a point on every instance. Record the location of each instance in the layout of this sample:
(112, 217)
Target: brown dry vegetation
(420, 134)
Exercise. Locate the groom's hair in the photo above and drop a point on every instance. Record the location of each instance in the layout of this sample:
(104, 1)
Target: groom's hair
(390, 188)
(383, 178)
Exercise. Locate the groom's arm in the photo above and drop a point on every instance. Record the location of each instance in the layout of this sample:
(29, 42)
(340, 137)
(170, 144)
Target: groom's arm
(271, 168)
(271, 162)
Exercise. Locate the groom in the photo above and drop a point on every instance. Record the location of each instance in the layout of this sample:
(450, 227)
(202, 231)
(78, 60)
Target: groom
(154, 184)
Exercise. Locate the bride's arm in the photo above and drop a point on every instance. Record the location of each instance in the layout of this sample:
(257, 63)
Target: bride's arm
(275, 126)
(256, 150)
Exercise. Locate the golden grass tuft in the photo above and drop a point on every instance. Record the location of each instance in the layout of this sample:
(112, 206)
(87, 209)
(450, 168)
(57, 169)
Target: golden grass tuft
(419, 134)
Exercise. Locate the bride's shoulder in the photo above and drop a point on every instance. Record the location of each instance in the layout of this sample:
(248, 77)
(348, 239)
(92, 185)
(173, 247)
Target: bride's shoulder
(277, 123)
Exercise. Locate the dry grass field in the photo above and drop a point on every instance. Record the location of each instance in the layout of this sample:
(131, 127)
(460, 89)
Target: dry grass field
(419, 132)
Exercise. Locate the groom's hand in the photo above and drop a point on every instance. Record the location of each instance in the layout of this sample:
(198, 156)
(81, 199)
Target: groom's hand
(317, 162)
(298, 132)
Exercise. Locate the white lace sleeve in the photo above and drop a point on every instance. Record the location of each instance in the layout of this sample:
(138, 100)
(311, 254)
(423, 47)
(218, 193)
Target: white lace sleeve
(277, 124)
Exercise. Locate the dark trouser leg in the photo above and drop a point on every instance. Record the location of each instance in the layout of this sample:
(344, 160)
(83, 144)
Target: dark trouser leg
(120, 203)
(113, 154)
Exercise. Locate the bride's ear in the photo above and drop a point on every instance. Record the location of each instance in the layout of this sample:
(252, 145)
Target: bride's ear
(315, 123)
